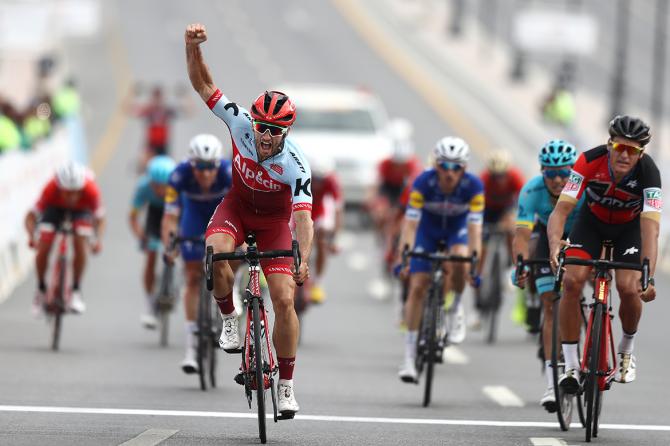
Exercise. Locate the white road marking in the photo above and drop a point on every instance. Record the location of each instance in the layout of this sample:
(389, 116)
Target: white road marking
(503, 396)
(358, 261)
(547, 441)
(337, 419)
(379, 289)
(454, 355)
(150, 437)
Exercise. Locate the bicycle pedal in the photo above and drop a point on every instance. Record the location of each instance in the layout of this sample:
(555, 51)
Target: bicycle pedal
(239, 378)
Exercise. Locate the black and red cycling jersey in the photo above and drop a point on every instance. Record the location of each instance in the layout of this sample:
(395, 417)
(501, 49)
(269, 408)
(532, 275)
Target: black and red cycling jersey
(615, 203)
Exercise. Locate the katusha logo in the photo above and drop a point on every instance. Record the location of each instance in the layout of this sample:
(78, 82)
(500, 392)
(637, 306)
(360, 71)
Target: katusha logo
(254, 177)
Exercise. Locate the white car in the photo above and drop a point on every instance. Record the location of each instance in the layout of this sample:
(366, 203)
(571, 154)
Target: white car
(348, 124)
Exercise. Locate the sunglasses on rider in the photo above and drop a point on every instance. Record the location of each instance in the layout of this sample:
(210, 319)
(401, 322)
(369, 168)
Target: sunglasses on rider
(631, 150)
(446, 165)
(275, 130)
(551, 174)
(204, 165)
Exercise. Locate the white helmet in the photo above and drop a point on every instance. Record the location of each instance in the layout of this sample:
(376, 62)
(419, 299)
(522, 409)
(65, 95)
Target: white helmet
(321, 165)
(403, 148)
(451, 148)
(71, 176)
(205, 147)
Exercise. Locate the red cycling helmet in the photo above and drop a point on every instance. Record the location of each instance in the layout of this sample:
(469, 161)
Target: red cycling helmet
(274, 107)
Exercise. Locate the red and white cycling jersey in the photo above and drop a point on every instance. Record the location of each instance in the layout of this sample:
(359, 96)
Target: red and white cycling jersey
(89, 200)
(322, 189)
(615, 203)
(276, 186)
(398, 174)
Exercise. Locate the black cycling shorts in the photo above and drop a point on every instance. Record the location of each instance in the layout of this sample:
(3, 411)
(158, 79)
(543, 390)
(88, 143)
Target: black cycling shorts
(152, 225)
(589, 232)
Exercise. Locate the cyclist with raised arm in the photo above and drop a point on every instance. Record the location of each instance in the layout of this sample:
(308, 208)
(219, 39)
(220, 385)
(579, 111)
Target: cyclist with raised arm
(536, 201)
(622, 189)
(271, 180)
(195, 188)
(446, 204)
(72, 191)
(327, 214)
(150, 194)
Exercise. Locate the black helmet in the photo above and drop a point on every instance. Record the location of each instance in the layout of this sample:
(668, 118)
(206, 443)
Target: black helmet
(630, 128)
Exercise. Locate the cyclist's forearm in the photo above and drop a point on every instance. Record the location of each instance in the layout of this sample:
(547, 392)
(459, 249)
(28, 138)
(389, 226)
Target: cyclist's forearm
(134, 223)
(304, 233)
(475, 238)
(407, 235)
(649, 231)
(168, 226)
(339, 218)
(30, 222)
(556, 224)
(520, 243)
(198, 72)
(99, 226)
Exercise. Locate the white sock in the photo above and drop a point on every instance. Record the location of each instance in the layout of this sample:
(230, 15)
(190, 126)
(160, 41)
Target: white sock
(410, 344)
(288, 382)
(150, 304)
(627, 343)
(190, 327)
(571, 356)
(548, 373)
(457, 301)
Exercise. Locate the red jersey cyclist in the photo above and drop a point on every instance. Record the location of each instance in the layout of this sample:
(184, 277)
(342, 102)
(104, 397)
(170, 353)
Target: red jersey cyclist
(327, 214)
(271, 181)
(623, 203)
(71, 191)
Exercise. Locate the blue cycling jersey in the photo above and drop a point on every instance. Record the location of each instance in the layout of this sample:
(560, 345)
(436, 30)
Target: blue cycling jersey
(536, 204)
(144, 194)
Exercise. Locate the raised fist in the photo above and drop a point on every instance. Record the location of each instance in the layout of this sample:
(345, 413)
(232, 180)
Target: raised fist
(195, 34)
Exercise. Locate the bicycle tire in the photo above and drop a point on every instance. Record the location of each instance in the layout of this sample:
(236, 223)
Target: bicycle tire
(431, 341)
(564, 401)
(165, 290)
(213, 340)
(58, 305)
(203, 339)
(591, 387)
(164, 327)
(258, 372)
(494, 299)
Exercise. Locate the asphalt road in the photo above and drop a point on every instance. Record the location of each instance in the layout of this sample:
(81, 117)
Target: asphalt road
(111, 382)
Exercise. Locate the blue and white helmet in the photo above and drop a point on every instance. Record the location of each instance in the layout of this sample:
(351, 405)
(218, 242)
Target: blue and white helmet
(557, 153)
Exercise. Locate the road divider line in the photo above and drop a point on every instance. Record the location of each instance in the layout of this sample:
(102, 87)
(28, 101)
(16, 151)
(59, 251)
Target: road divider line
(379, 289)
(326, 418)
(547, 441)
(150, 437)
(454, 355)
(503, 396)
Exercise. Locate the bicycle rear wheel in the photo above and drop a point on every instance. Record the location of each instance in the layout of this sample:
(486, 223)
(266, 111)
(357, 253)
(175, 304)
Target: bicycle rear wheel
(431, 341)
(591, 387)
(564, 401)
(493, 301)
(258, 372)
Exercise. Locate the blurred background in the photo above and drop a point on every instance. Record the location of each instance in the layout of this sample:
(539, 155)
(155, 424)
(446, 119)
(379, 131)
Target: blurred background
(367, 76)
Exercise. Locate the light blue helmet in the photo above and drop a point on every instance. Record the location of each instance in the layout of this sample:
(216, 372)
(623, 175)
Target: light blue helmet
(557, 153)
(159, 169)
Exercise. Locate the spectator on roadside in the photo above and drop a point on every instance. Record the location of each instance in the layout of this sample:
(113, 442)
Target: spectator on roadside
(559, 106)
(36, 124)
(65, 102)
(10, 136)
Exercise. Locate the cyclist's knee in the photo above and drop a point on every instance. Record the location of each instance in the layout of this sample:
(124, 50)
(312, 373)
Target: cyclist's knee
(627, 290)
(572, 285)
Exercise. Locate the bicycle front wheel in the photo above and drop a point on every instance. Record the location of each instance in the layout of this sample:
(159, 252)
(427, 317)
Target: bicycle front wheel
(258, 362)
(591, 387)
(431, 341)
(204, 342)
(563, 400)
(58, 304)
(494, 299)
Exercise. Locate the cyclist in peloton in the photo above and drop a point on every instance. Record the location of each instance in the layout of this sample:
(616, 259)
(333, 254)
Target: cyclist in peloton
(271, 179)
(327, 214)
(72, 190)
(150, 194)
(536, 201)
(446, 203)
(502, 184)
(623, 204)
(196, 187)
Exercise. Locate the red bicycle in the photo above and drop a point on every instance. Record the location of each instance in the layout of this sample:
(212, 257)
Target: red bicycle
(258, 363)
(598, 364)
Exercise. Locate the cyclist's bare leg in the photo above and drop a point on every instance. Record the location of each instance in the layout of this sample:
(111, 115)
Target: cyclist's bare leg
(548, 309)
(286, 327)
(193, 275)
(149, 272)
(79, 260)
(418, 287)
(223, 274)
(570, 320)
(321, 252)
(42, 259)
(630, 309)
(459, 271)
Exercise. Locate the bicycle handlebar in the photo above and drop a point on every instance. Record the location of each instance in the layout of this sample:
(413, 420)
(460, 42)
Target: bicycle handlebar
(437, 257)
(599, 265)
(250, 255)
(520, 263)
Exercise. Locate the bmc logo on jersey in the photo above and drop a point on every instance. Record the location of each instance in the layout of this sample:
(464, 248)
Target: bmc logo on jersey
(574, 182)
(653, 198)
(253, 176)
